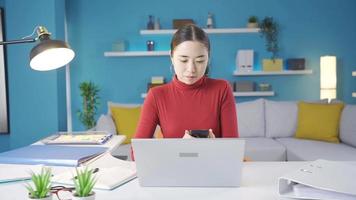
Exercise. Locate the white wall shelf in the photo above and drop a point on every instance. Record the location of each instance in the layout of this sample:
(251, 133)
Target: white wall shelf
(354, 94)
(254, 94)
(135, 53)
(209, 31)
(263, 73)
(354, 73)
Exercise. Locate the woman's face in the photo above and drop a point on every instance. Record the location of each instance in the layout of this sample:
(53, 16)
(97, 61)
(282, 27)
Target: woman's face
(190, 60)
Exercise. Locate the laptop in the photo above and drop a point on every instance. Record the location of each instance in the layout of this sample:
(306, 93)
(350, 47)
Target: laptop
(189, 162)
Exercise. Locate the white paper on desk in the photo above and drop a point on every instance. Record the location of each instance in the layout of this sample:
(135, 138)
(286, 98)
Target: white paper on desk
(320, 179)
(112, 173)
(12, 172)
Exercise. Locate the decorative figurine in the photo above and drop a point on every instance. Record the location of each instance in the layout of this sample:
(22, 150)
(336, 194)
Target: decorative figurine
(157, 26)
(209, 22)
(150, 45)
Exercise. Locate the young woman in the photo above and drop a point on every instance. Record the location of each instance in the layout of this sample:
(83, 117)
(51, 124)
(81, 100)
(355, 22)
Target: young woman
(191, 100)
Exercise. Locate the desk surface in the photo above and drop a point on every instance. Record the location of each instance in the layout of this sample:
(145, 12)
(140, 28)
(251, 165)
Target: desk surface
(259, 181)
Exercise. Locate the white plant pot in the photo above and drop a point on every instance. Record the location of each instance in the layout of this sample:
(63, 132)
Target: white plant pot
(252, 25)
(46, 198)
(91, 197)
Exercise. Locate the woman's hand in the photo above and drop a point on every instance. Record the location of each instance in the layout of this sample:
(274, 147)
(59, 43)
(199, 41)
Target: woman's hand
(211, 134)
(187, 135)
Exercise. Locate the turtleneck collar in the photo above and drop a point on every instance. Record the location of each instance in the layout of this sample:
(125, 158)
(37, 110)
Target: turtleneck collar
(177, 83)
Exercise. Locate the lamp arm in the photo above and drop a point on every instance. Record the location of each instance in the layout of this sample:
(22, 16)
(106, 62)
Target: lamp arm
(18, 41)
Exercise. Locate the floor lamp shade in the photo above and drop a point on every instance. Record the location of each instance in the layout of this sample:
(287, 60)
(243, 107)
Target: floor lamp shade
(328, 77)
(50, 54)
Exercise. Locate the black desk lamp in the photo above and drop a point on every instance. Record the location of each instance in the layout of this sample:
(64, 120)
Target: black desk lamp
(48, 54)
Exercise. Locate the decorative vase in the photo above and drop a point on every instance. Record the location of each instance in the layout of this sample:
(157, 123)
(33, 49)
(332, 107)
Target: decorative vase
(150, 23)
(49, 197)
(270, 65)
(91, 197)
(150, 45)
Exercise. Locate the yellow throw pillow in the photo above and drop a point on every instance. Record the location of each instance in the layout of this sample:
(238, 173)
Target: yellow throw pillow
(126, 120)
(319, 121)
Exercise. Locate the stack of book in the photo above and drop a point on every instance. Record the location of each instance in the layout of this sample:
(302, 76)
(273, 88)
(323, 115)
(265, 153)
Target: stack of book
(155, 81)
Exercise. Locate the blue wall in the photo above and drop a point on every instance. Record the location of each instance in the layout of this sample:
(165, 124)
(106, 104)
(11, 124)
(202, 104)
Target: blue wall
(33, 95)
(309, 29)
(37, 99)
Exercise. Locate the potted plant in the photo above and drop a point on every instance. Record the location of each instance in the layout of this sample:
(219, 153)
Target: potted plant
(89, 92)
(269, 29)
(252, 22)
(84, 182)
(42, 185)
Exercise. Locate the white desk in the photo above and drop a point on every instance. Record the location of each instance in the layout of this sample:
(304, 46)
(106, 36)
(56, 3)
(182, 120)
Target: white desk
(259, 182)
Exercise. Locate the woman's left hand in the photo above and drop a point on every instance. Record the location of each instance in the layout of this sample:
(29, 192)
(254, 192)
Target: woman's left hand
(211, 134)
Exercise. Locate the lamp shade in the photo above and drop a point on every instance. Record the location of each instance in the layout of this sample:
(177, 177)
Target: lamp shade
(328, 77)
(50, 54)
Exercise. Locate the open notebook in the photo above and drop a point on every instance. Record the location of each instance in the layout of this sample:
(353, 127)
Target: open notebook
(111, 173)
(88, 137)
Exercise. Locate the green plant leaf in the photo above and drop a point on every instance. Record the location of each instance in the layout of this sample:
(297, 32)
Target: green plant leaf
(84, 182)
(41, 183)
(89, 93)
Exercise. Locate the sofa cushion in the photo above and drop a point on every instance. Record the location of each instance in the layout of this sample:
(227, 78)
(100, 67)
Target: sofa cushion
(319, 121)
(126, 120)
(309, 150)
(106, 123)
(347, 125)
(250, 118)
(126, 105)
(264, 149)
(281, 118)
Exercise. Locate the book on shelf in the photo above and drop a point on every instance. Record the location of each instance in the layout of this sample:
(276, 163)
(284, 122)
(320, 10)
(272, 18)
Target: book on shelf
(51, 155)
(110, 173)
(157, 79)
(87, 137)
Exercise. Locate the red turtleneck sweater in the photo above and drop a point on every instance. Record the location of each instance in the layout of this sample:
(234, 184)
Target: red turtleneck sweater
(176, 107)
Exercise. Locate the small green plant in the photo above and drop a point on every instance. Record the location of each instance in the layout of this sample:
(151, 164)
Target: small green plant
(42, 184)
(90, 94)
(252, 19)
(84, 182)
(269, 30)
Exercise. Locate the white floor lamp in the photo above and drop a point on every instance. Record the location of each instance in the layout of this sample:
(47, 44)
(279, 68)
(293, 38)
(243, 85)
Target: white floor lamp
(68, 88)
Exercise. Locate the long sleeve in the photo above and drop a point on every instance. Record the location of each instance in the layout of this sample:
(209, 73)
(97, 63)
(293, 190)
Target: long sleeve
(228, 118)
(148, 119)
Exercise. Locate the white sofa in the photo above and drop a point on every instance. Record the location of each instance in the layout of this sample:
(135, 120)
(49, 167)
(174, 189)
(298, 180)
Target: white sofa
(268, 127)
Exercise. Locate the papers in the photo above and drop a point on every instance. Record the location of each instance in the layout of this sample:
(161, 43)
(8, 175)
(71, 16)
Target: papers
(306, 192)
(320, 179)
(92, 137)
(51, 155)
(9, 172)
(111, 173)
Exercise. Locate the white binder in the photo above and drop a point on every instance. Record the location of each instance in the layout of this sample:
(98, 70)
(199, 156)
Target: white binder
(320, 179)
